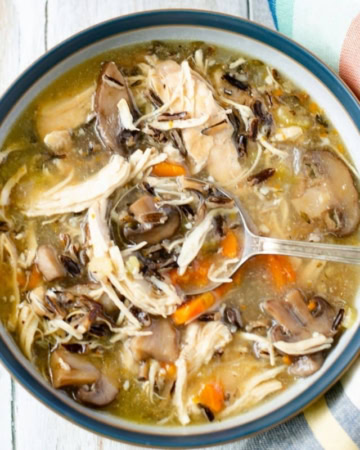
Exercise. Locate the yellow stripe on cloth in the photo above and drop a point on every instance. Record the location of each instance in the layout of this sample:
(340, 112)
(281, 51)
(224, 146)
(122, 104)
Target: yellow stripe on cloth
(326, 429)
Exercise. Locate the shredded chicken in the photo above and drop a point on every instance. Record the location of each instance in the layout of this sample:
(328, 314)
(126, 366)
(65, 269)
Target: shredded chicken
(64, 114)
(200, 342)
(196, 238)
(76, 198)
(107, 264)
(125, 115)
(182, 89)
(10, 184)
(257, 388)
(306, 346)
(65, 198)
(288, 134)
(27, 325)
(263, 341)
(193, 243)
(217, 274)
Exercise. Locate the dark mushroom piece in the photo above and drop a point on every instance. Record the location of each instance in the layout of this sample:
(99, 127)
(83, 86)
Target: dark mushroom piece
(330, 198)
(100, 393)
(161, 345)
(111, 88)
(151, 224)
(68, 369)
(296, 321)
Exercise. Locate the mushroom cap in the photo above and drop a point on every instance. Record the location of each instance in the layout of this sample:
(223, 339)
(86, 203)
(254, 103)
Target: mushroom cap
(68, 369)
(111, 88)
(296, 321)
(101, 393)
(306, 365)
(151, 224)
(161, 345)
(330, 196)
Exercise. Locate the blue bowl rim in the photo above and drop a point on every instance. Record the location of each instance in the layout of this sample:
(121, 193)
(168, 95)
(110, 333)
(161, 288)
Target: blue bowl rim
(224, 22)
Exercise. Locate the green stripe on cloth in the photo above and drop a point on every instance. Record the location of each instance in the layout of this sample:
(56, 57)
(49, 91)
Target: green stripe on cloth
(320, 26)
(285, 11)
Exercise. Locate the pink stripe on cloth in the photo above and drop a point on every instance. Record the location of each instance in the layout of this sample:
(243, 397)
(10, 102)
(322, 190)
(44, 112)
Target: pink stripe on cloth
(349, 67)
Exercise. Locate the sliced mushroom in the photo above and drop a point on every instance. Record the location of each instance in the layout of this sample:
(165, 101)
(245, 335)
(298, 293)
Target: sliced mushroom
(330, 196)
(306, 365)
(151, 224)
(296, 320)
(111, 89)
(161, 345)
(100, 393)
(48, 263)
(68, 369)
(144, 209)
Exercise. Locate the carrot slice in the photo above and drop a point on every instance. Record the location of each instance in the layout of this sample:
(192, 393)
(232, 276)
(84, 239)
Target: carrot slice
(30, 280)
(229, 245)
(196, 274)
(193, 308)
(21, 279)
(281, 270)
(313, 107)
(212, 396)
(166, 169)
(35, 278)
(170, 369)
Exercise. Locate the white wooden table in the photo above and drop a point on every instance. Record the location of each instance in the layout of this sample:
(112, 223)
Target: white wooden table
(28, 28)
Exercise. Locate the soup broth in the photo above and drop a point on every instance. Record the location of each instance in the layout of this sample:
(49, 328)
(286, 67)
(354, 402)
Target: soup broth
(96, 283)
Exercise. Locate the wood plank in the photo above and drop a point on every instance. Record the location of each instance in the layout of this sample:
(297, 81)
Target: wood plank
(22, 27)
(5, 410)
(259, 11)
(80, 15)
(47, 430)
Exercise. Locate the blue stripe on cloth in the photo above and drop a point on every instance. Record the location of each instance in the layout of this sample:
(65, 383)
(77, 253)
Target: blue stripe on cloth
(293, 435)
(344, 411)
(272, 5)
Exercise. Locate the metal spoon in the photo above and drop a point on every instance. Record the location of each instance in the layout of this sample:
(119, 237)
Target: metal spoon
(254, 244)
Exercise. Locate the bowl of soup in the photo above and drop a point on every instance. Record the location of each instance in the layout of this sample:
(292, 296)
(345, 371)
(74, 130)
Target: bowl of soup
(117, 149)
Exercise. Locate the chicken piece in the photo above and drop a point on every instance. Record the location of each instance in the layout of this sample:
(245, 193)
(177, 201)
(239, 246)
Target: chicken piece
(62, 199)
(161, 345)
(48, 263)
(186, 91)
(201, 341)
(67, 113)
(59, 142)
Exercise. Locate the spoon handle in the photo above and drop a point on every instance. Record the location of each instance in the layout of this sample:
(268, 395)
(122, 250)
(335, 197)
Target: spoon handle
(330, 252)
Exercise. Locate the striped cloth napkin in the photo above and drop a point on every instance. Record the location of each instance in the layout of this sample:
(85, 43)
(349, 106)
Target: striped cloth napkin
(331, 30)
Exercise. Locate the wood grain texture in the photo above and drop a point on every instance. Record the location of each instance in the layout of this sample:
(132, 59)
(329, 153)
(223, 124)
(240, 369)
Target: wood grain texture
(27, 29)
(78, 17)
(259, 12)
(22, 27)
(5, 410)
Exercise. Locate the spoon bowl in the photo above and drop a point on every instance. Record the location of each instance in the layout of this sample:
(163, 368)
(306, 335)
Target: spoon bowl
(199, 197)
